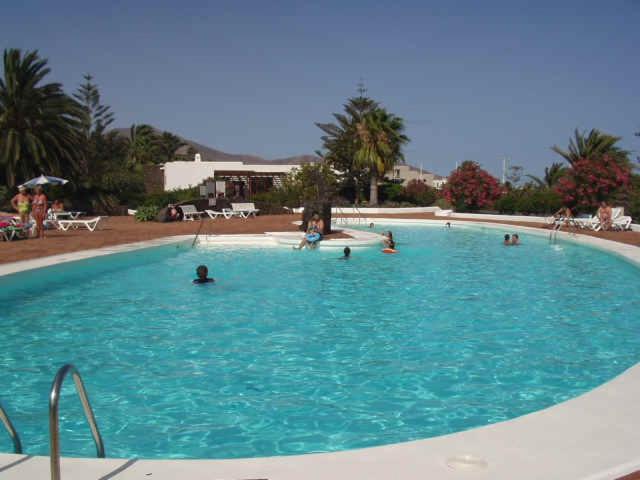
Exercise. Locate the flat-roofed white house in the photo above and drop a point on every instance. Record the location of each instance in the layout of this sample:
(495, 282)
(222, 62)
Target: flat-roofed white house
(403, 174)
(227, 174)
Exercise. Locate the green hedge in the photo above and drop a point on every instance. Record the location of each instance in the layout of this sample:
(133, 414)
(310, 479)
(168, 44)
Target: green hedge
(529, 201)
(174, 196)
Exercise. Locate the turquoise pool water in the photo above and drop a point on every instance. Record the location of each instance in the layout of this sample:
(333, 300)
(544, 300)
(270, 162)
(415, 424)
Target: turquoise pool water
(295, 352)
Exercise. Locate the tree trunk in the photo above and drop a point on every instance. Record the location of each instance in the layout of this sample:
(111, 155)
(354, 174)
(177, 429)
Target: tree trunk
(323, 209)
(373, 192)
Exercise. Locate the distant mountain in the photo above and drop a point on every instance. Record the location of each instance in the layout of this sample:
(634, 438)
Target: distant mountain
(212, 155)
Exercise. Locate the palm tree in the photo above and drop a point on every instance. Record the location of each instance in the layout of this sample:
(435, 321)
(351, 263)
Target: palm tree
(39, 123)
(551, 175)
(594, 145)
(168, 143)
(141, 145)
(339, 141)
(379, 141)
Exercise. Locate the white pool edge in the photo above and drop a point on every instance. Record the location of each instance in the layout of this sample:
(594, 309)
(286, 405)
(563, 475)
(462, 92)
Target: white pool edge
(591, 437)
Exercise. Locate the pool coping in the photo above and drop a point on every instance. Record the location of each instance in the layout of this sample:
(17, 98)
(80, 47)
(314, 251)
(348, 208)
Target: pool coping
(590, 437)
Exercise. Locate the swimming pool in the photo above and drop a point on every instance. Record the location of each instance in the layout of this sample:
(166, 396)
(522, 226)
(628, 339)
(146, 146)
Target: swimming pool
(296, 352)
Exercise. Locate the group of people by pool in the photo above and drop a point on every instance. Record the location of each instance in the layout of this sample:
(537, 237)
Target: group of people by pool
(564, 217)
(35, 206)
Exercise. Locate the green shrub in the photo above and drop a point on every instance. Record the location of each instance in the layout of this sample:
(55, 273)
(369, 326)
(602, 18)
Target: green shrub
(174, 196)
(274, 201)
(507, 203)
(147, 213)
(419, 193)
(527, 201)
(391, 192)
(443, 203)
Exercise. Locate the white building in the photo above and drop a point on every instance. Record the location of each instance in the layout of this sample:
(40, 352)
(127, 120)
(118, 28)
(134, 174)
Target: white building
(182, 174)
(403, 174)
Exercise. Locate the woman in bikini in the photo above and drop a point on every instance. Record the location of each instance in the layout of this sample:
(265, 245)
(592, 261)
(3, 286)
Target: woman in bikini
(39, 209)
(22, 204)
(604, 214)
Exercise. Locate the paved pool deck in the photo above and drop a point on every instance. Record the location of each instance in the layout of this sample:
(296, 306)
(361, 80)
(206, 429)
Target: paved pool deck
(591, 437)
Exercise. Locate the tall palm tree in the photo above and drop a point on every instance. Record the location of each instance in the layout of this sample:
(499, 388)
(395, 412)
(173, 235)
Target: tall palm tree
(593, 145)
(142, 145)
(379, 141)
(168, 143)
(551, 175)
(339, 141)
(39, 123)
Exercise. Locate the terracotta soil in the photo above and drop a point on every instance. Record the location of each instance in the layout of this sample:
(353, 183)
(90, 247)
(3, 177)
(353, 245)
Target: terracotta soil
(119, 230)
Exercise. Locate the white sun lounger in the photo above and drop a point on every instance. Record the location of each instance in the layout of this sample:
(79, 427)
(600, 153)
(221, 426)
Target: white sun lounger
(623, 222)
(90, 224)
(616, 215)
(244, 209)
(190, 212)
(226, 213)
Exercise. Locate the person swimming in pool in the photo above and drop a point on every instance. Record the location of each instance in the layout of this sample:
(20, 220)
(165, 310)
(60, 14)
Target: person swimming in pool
(202, 271)
(387, 240)
(347, 253)
(515, 239)
(507, 239)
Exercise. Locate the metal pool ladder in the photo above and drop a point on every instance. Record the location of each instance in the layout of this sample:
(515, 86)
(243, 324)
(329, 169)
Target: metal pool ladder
(4, 418)
(54, 428)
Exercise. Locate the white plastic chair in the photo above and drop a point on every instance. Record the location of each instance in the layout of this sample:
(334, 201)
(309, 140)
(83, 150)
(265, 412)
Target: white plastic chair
(226, 213)
(190, 212)
(244, 209)
(90, 224)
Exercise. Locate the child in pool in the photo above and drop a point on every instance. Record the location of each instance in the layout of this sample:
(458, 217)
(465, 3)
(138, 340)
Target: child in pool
(507, 239)
(202, 271)
(347, 253)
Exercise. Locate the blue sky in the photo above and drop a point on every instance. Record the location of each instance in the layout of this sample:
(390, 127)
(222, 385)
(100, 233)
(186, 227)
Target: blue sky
(473, 80)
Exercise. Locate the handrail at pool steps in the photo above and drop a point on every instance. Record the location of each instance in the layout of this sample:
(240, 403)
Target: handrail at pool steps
(54, 428)
(355, 210)
(4, 417)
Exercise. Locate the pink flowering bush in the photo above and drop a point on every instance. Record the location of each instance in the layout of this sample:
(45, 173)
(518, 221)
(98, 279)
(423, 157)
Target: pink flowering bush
(589, 181)
(469, 187)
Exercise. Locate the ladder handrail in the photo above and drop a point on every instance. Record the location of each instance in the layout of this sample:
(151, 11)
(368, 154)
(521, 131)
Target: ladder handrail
(54, 430)
(4, 417)
(358, 213)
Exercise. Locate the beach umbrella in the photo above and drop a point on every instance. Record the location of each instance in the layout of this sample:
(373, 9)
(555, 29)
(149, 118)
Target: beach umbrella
(44, 180)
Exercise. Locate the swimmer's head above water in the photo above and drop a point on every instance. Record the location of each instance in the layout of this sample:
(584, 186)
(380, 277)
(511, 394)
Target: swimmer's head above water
(202, 272)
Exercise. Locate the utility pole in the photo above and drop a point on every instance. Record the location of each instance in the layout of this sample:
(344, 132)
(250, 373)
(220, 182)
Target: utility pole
(505, 162)
(361, 88)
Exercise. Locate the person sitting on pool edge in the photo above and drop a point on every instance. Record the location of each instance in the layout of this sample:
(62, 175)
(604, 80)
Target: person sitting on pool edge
(507, 239)
(202, 271)
(347, 253)
(314, 232)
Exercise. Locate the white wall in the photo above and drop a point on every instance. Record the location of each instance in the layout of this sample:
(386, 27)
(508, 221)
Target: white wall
(190, 174)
